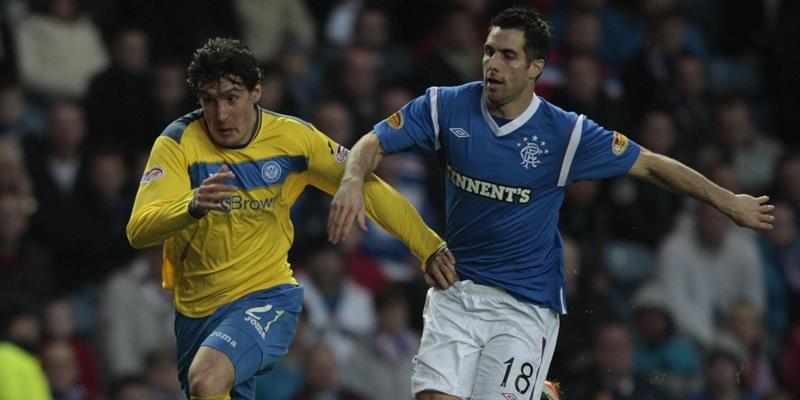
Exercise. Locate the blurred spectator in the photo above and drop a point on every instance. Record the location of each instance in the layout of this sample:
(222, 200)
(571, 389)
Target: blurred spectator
(15, 179)
(580, 216)
(177, 27)
(274, 95)
(61, 329)
(582, 36)
(783, 59)
(340, 310)
(56, 164)
(25, 265)
(321, 370)
(136, 315)
(20, 116)
(302, 73)
(747, 326)
(21, 373)
(334, 119)
(689, 100)
(643, 212)
(372, 31)
(59, 49)
(790, 363)
(266, 26)
(338, 22)
(132, 387)
(63, 371)
(110, 195)
(705, 267)
(661, 353)
(723, 364)
(116, 104)
(364, 269)
(780, 249)
(584, 92)
(455, 51)
(169, 98)
(787, 186)
(737, 138)
(616, 41)
(355, 81)
(379, 368)
(162, 374)
(648, 76)
(589, 305)
(612, 368)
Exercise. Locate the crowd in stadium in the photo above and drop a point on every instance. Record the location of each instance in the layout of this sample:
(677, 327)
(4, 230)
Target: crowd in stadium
(667, 298)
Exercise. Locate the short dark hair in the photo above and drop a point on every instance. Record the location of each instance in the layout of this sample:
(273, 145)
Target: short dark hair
(223, 58)
(528, 20)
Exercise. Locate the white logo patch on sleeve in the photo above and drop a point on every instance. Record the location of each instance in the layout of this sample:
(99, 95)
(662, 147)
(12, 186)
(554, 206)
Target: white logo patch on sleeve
(153, 174)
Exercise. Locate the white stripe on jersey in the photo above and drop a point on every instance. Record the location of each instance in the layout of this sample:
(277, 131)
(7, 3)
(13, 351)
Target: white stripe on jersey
(572, 148)
(435, 115)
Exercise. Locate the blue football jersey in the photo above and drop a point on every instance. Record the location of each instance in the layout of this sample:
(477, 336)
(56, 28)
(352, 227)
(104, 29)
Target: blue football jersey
(504, 182)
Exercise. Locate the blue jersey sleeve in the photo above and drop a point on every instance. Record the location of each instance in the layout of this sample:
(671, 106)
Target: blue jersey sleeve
(413, 126)
(602, 153)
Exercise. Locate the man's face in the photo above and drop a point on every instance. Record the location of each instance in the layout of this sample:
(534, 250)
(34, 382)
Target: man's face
(229, 111)
(507, 76)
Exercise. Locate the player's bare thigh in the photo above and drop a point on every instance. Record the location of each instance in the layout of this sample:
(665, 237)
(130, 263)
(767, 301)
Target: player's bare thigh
(431, 395)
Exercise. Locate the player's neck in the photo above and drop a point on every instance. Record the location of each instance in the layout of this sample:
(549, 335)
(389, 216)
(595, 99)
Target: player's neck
(511, 109)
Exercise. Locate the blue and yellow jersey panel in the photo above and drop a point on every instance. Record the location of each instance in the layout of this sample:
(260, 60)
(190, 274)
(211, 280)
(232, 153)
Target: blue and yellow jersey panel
(243, 248)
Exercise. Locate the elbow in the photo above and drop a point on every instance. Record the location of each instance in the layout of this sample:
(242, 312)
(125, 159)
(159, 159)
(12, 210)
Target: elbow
(135, 238)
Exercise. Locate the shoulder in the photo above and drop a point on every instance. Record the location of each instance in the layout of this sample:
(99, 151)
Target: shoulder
(270, 117)
(177, 128)
(466, 91)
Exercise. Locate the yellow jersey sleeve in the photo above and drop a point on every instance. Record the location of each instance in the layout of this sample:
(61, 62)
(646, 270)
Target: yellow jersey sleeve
(384, 204)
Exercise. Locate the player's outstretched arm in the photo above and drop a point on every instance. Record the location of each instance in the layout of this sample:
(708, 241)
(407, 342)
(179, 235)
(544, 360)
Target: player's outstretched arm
(743, 209)
(348, 202)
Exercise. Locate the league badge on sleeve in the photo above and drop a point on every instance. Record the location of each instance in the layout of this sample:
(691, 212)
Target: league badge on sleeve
(395, 120)
(152, 174)
(341, 154)
(619, 144)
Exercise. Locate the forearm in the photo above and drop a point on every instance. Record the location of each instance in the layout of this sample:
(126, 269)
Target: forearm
(154, 224)
(676, 177)
(362, 160)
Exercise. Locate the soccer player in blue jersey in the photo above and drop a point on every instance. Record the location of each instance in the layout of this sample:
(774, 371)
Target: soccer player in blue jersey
(507, 156)
(217, 191)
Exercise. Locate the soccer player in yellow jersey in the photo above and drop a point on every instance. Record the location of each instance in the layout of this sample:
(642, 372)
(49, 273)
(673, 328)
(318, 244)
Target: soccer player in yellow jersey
(217, 191)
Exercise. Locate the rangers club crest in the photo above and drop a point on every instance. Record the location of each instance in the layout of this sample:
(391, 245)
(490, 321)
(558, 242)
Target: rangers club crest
(532, 151)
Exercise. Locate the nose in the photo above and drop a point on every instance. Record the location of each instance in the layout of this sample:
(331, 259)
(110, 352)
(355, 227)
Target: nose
(222, 111)
(488, 62)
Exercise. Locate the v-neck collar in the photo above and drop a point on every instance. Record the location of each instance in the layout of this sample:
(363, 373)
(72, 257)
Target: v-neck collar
(500, 131)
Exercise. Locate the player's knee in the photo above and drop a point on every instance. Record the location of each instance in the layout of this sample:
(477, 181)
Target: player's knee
(208, 380)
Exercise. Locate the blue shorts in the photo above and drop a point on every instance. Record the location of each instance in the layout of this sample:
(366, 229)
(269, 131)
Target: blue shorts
(254, 332)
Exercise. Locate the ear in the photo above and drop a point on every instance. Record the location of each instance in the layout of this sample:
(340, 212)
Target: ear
(535, 69)
(255, 94)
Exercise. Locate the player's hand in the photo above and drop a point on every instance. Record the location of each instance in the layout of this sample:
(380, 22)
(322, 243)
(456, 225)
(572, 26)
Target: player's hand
(213, 191)
(441, 271)
(752, 212)
(347, 206)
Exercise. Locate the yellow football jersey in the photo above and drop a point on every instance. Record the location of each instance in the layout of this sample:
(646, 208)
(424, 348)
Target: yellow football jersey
(227, 254)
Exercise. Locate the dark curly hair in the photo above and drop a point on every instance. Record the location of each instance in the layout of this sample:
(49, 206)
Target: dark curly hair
(223, 58)
(537, 31)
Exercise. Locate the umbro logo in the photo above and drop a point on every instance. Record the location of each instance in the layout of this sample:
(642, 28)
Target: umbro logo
(459, 132)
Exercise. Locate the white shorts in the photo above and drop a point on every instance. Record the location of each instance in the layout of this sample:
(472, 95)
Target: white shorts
(480, 343)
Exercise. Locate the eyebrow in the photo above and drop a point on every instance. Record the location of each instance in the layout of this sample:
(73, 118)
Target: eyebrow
(235, 88)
